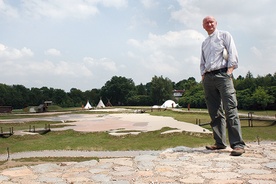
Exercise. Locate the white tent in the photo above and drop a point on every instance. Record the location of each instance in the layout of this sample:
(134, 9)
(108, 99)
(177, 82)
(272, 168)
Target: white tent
(87, 106)
(169, 104)
(32, 109)
(156, 107)
(100, 104)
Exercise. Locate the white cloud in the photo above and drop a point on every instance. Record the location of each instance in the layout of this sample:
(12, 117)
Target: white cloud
(58, 9)
(12, 53)
(115, 3)
(140, 21)
(189, 14)
(7, 10)
(52, 52)
(101, 64)
(172, 54)
(170, 40)
(149, 3)
(162, 64)
(256, 52)
(135, 39)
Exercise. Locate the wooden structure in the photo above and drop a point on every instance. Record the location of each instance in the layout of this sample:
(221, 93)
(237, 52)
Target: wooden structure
(5, 109)
(6, 134)
(249, 118)
(47, 129)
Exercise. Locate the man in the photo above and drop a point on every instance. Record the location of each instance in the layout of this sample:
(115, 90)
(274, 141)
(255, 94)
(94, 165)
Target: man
(216, 71)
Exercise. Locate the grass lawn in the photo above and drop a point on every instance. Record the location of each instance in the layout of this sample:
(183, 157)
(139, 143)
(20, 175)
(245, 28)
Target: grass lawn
(71, 140)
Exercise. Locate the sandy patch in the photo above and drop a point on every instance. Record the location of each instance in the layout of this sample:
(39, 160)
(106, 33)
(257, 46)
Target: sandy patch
(129, 122)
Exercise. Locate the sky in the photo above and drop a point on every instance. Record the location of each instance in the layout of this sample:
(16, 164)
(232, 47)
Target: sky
(82, 44)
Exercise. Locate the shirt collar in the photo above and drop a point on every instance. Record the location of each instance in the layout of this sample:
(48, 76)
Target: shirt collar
(215, 32)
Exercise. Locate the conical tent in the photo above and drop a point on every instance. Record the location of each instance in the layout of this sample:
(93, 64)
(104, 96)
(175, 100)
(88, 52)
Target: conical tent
(100, 104)
(87, 106)
(108, 104)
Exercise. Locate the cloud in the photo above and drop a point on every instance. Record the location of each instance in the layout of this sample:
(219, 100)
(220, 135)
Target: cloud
(140, 21)
(170, 40)
(149, 3)
(12, 53)
(7, 10)
(52, 52)
(18, 65)
(101, 64)
(46, 68)
(114, 3)
(57, 9)
(256, 52)
(135, 39)
(169, 54)
(189, 13)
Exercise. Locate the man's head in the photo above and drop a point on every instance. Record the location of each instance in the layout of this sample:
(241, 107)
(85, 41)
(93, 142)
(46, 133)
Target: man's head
(209, 24)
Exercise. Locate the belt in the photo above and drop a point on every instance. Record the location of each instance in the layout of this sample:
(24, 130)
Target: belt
(222, 70)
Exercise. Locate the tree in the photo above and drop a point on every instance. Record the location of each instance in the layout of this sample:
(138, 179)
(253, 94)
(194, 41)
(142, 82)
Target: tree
(20, 96)
(161, 89)
(272, 92)
(180, 85)
(77, 97)
(4, 94)
(60, 97)
(244, 98)
(190, 83)
(148, 88)
(261, 98)
(141, 100)
(246, 83)
(194, 96)
(141, 89)
(118, 89)
(93, 96)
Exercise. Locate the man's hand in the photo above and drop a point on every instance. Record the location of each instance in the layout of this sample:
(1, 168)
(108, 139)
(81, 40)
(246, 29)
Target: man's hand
(230, 70)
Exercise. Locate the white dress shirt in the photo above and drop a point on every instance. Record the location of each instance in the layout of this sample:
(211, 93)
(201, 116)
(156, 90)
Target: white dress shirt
(212, 52)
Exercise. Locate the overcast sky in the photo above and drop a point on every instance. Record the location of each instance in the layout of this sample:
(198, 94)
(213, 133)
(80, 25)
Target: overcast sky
(82, 44)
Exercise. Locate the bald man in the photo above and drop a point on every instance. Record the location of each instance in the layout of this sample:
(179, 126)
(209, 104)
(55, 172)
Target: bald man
(219, 58)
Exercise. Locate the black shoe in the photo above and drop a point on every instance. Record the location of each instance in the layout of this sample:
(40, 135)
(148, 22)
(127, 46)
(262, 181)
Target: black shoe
(215, 147)
(237, 151)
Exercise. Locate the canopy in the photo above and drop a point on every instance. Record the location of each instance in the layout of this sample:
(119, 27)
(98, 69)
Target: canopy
(169, 104)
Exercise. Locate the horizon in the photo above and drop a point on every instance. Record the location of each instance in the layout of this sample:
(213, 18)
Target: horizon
(235, 77)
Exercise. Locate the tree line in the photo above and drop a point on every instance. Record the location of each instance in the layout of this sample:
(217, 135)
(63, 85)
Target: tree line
(253, 93)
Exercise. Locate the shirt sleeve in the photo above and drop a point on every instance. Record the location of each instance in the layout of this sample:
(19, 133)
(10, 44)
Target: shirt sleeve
(202, 63)
(232, 51)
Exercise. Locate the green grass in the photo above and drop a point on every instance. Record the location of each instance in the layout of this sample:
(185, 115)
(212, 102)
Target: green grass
(154, 140)
(32, 124)
(185, 116)
(71, 140)
(264, 130)
(260, 113)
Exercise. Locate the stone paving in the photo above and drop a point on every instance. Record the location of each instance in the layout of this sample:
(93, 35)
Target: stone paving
(175, 165)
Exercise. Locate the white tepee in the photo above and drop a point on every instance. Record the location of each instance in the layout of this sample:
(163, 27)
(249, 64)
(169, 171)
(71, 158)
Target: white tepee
(100, 104)
(87, 106)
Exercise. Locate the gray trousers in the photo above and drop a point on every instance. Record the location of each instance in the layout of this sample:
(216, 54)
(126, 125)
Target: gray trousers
(221, 102)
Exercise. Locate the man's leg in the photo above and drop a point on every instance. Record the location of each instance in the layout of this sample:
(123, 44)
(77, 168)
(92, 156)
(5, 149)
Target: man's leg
(229, 99)
(213, 101)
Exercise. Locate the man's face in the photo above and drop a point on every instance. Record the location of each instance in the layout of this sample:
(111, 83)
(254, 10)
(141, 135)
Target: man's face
(209, 24)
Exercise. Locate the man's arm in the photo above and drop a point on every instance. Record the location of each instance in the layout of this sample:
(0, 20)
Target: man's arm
(232, 53)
